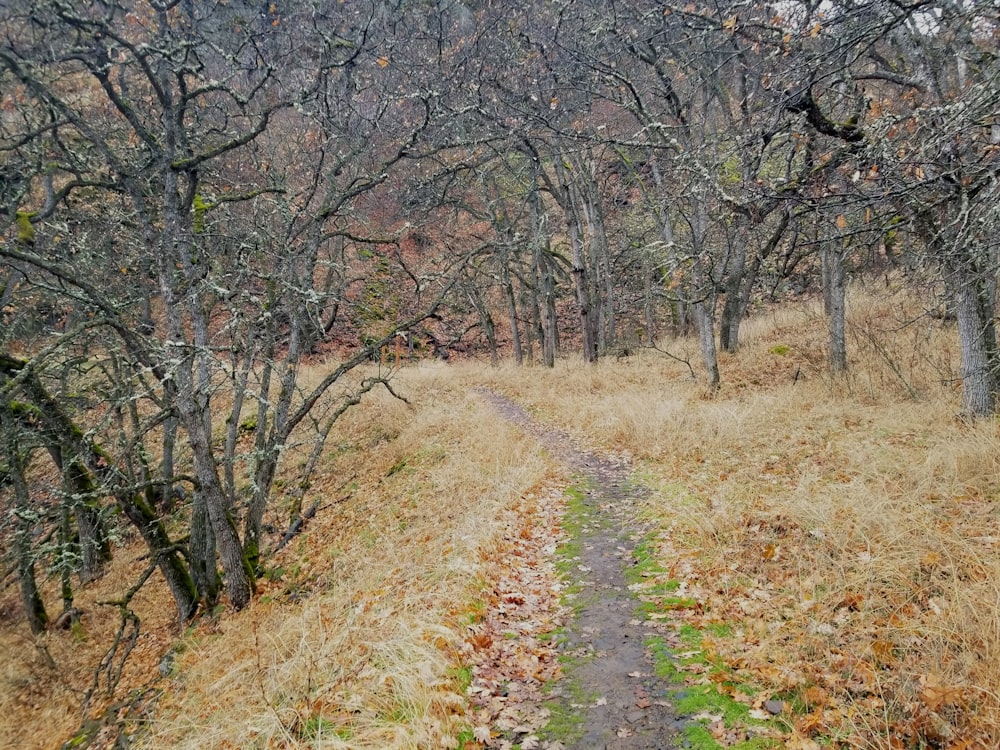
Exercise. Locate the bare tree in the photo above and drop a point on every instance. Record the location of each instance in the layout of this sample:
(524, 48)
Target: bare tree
(171, 145)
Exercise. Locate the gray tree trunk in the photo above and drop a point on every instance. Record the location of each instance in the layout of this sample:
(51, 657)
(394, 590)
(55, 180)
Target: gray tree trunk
(31, 598)
(732, 308)
(835, 298)
(704, 320)
(201, 545)
(581, 286)
(510, 298)
(978, 345)
(544, 283)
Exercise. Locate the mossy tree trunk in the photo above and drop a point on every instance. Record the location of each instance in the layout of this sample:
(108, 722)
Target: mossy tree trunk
(13, 473)
(88, 467)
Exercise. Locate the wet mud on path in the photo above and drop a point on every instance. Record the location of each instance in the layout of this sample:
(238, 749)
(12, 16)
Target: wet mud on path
(610, 682)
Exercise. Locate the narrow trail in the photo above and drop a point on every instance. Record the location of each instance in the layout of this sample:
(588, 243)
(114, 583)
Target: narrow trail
(624, 706)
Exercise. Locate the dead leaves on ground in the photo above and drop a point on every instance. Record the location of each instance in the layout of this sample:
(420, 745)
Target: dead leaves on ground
(848, 669)
(511, 658)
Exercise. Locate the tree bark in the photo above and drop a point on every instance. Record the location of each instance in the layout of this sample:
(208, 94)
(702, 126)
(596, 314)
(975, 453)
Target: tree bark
(544, 278)
(835, 295)
(732, 308)
(508, 293)
(704, 320)
(31, 598)
(974, 305)
(201, 545)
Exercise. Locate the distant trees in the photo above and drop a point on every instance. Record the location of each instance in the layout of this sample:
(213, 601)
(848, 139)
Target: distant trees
(935, 140)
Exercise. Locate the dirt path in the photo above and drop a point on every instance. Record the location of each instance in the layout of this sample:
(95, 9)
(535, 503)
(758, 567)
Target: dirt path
(609, 680)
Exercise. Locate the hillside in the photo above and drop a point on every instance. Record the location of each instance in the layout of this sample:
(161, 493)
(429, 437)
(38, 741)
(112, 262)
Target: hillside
(831, 544)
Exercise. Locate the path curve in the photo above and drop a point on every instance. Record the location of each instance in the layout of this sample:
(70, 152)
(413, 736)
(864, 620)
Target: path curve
(628, 706)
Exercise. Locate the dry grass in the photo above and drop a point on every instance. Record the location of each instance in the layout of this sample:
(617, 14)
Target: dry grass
(355, 645)
(358, 629)
(846, 529)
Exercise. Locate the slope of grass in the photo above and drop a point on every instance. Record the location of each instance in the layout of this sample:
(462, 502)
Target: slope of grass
(842, 530)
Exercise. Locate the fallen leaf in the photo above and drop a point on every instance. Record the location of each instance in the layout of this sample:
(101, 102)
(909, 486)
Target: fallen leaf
(482, 734)
(936, 693)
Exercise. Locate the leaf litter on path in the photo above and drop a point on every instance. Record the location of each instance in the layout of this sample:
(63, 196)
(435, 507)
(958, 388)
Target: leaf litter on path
(617, 702)
(510, 657)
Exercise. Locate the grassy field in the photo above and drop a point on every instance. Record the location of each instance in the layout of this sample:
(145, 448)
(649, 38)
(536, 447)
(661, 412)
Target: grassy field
(837, 540)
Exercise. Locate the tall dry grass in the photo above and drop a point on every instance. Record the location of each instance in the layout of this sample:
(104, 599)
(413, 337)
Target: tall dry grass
(357, 644)
(847, 528)
(355, 636)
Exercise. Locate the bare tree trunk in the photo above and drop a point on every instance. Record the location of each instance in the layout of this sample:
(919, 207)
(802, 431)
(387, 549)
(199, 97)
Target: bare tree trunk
(704, 320)
(649, 275)
(201, 545)
(31, 598)
(834, 296)
(544, 278)
(732, 308)
(703, 308)
(234, 563)
(508, 292)
(568, 196)
(94, 546)
(167, 492)
(600, 282)
(974, 302)
(582, 288)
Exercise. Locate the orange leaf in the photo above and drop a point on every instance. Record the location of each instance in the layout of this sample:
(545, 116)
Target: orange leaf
(841, 221)
(883, 651)
(852, 600)
(935, 693)
(814, 695)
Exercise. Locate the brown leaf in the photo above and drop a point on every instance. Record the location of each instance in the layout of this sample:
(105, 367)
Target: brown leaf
(936, 693)
(883, 651)
(814, 695)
